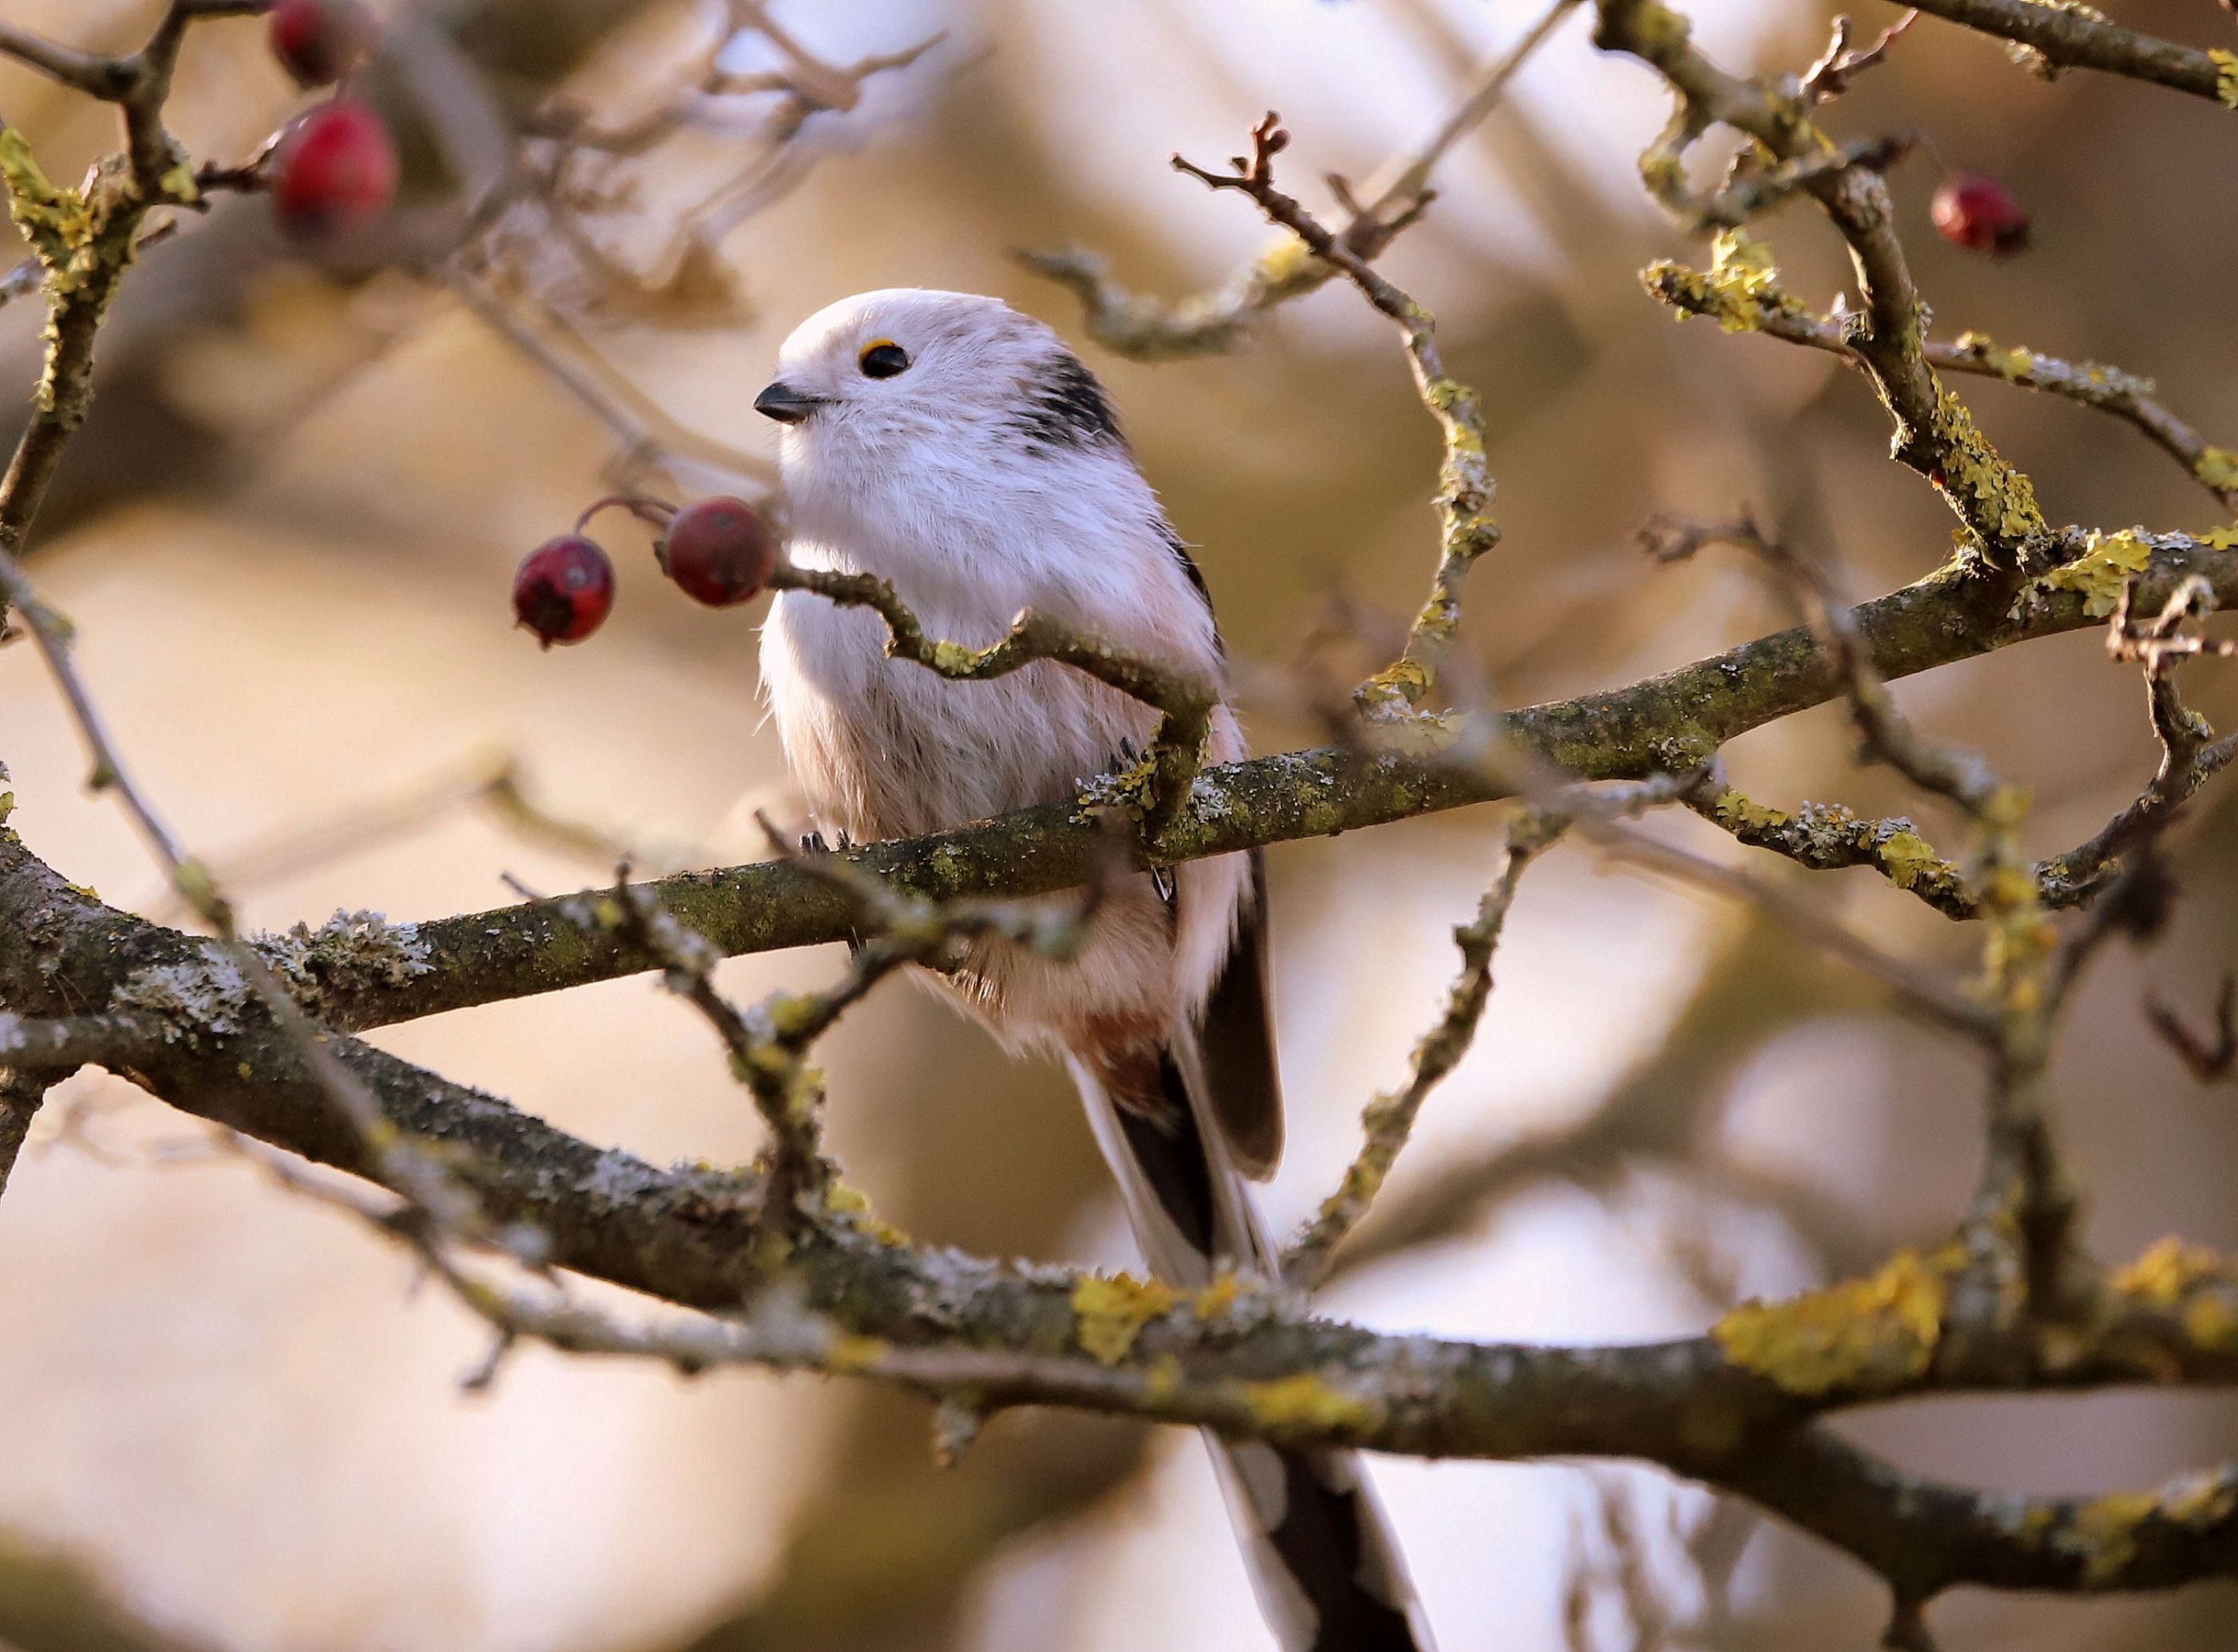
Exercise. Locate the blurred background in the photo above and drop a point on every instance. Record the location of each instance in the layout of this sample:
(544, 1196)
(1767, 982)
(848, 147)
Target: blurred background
(229, 1421)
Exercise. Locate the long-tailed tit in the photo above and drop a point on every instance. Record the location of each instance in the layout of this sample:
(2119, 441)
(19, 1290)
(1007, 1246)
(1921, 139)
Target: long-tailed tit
(959, 450)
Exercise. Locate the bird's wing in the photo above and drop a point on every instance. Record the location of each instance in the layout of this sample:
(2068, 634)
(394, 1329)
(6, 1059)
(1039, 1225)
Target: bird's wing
(1236, 1042)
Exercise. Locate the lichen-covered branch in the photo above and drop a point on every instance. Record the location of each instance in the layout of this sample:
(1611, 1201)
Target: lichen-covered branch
(1829, 837)
(2125, 395)
(1934, 434)
(1960, 777)
(776, 1266)
(2068, 37)
(1719, 1407)
(1678, 718)
(1725, 1408)
(2110, 390)
(84, 240)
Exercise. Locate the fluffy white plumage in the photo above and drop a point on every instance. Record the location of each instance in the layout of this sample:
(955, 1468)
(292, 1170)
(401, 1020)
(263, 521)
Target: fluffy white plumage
(958, 449)
(964, 480)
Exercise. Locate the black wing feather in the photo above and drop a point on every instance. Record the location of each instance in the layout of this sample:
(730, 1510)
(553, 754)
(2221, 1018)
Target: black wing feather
(1237, 1041)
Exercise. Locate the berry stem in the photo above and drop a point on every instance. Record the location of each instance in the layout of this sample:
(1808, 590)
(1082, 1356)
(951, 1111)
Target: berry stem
(656, 513)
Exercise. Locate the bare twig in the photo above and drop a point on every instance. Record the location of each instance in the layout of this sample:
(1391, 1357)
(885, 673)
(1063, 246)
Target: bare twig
(1149, 329)
(1464, 483)
(2208, 1060)
(1841, 62)
(1914, 987)
(2190, 756)
(20, 1096)
(650, 439)
(1388, 1120)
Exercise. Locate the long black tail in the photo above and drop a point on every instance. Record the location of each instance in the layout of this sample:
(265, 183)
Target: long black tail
(1329, 1576)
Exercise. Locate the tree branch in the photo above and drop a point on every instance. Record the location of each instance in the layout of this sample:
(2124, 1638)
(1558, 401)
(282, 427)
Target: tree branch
(2110, 390)
(20, 1096)
(1627, 733)
(1935, 434)
(2074, 38)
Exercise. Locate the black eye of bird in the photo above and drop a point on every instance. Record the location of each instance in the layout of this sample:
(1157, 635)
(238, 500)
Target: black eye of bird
(883, 359)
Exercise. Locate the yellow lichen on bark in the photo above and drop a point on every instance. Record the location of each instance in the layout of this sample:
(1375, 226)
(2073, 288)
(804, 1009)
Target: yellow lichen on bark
(1735, 810)
(1907, 854)
(1992, 495)
(2101, 573)
(1308, 1402)
(2104, 1533)
(1737, 291)
(2226, 75)
(2192, 1281)
(1871, 1333)
(1109, 1314)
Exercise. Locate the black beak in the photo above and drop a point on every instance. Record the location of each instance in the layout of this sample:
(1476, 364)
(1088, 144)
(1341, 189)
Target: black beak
(781, 401)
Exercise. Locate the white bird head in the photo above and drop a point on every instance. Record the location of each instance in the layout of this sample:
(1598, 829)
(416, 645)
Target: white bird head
(869, 374)
(928, 430)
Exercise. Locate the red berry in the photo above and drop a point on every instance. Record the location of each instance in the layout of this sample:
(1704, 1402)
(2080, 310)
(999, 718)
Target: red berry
(721, 550)
(1974, 211)
(564, 590)
(318, 41)
(334, 172)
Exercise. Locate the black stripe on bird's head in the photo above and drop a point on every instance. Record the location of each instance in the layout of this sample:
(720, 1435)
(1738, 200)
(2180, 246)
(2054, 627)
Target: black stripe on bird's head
(1065, 407)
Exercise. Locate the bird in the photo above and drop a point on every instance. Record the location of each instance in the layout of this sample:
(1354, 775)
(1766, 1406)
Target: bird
(959, 449)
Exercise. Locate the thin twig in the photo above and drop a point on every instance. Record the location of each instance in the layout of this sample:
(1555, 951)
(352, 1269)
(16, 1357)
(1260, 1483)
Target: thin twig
(1388, 1120)
(1465, 481)
(21, 1094)
(2190, 756)
(1395, 194)
(2209, 1059)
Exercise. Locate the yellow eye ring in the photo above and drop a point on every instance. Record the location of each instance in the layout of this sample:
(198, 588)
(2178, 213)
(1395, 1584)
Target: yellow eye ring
(882, 358)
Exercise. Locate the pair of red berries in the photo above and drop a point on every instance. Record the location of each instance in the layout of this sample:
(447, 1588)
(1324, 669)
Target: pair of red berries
(720, 552)
(334, 169)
